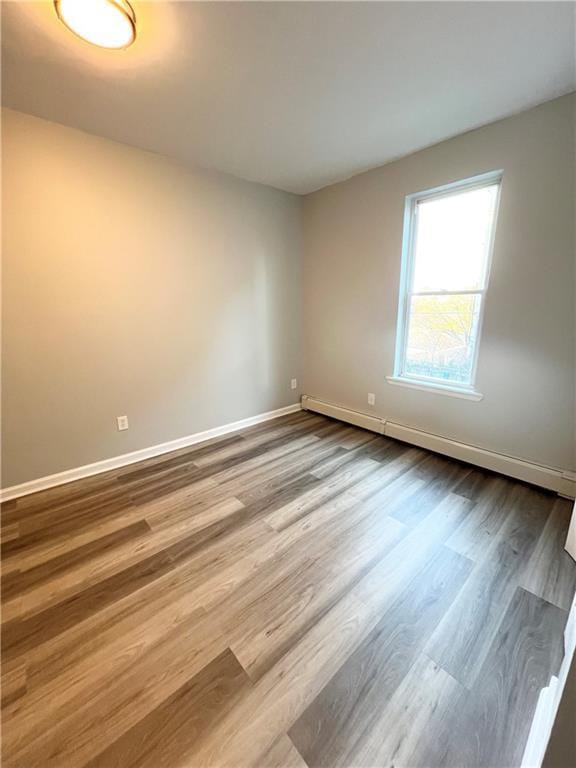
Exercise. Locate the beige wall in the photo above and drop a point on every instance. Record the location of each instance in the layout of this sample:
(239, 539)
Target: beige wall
(353, 234)
(132, 286)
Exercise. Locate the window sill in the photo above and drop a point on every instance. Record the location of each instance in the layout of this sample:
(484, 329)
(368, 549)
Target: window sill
(465, 394)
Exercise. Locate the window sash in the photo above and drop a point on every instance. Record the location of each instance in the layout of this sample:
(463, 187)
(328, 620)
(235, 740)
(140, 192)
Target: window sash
(407, 276)
(463, 292)
(403, 373)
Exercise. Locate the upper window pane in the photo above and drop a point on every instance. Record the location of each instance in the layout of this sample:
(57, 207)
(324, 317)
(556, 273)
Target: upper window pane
(452, 240)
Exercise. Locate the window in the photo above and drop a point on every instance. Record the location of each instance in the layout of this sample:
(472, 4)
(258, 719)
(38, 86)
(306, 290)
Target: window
(448, 236)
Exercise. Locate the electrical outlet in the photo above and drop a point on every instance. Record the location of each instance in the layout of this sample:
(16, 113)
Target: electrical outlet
(371, 398)
(294, 384)
(122, 422)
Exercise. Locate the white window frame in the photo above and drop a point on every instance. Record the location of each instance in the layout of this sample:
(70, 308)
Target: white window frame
(426, 383)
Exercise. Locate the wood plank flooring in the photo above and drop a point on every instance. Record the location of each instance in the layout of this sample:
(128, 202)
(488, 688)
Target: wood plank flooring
(300, 594)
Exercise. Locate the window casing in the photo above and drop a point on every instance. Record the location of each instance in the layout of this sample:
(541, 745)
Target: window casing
(447, 249)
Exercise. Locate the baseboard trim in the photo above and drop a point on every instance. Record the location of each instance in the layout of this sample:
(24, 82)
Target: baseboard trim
(98, 467)
(561, 481)
(359, 419)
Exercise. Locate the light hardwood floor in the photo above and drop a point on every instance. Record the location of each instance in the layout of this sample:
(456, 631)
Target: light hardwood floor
(303, 593)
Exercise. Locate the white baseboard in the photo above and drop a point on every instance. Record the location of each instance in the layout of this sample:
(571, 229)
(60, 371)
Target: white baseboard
(69, 475)
(561, 481)
(541, 727)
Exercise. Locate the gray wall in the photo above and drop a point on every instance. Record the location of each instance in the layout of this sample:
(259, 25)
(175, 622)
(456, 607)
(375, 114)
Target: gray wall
(132, 286)
(353, 237)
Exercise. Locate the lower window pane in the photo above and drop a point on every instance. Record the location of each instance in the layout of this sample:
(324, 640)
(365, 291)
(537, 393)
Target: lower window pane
(442, 334)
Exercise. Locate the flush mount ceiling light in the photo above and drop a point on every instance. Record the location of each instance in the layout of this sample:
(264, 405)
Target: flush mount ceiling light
(107, 23)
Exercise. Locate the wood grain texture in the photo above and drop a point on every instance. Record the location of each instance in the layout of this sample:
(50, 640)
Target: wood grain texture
(526, 649)
(476, 535)
(300, 593)
(403, 730)
(462, 641)
(550, 572)
(283, 754)
(334, 729)
(165, 736)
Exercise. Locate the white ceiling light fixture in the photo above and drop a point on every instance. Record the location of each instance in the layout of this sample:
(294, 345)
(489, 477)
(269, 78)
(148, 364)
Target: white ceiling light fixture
(107, 23)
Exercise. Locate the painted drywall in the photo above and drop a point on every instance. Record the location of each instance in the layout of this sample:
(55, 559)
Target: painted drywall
(132, 286)
(352, 248)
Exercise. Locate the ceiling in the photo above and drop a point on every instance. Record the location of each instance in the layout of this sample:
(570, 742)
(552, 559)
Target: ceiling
(292, 94)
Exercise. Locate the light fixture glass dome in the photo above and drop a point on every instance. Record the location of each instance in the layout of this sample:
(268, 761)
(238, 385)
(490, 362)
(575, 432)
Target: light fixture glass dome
(107, 23)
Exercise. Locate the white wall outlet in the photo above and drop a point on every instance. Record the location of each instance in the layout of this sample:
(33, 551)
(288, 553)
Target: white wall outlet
(122, 422)
(293, 383)
(371, 398)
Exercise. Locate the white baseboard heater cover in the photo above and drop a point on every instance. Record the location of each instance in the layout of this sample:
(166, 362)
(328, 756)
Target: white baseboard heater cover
(359, 419)
(563, 482)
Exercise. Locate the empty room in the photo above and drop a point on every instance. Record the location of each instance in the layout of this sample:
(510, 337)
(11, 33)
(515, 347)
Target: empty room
(288, 435)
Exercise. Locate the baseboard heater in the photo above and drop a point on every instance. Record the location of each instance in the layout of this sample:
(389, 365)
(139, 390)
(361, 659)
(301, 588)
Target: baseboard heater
(561, 481)
(359, 419)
